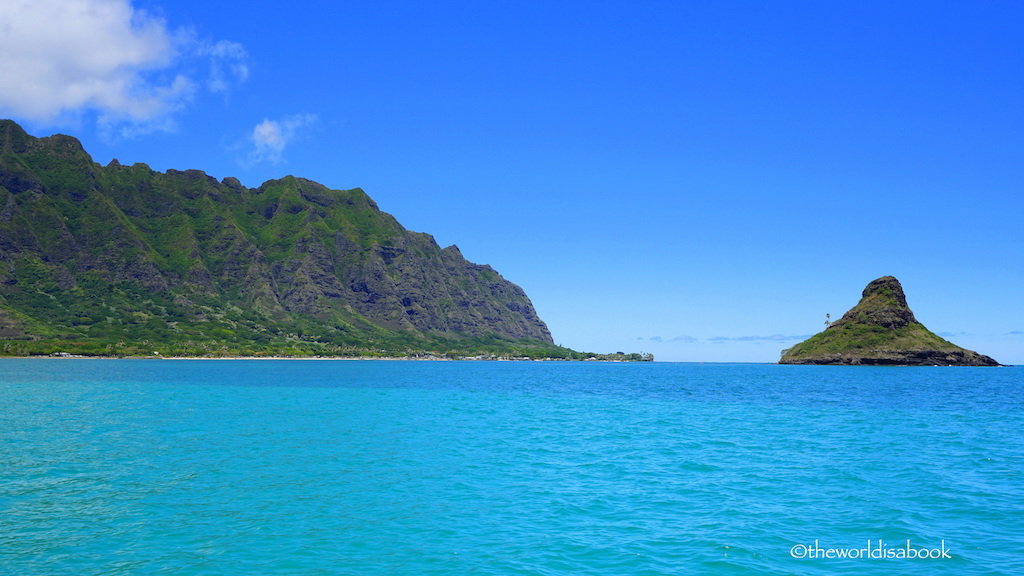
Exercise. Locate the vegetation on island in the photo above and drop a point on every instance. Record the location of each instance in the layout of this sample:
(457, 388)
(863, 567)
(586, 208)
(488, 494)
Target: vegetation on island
(125, 261)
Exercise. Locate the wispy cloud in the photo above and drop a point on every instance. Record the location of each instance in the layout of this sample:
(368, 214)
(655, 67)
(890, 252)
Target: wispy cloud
(772, 338)
(721, 339)
(1015, 333)
(64, 57)
(229, 64)
(951, 334)
(270, 137)
(683, 339)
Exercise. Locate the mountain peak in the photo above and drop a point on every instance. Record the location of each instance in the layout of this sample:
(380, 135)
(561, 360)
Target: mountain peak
(13, 137)
(886, 286)
(882, 303)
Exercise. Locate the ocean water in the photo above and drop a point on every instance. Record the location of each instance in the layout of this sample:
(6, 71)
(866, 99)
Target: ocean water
(504, 468)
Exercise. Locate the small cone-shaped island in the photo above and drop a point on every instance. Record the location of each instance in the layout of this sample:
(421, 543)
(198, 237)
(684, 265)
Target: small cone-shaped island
(881, 330)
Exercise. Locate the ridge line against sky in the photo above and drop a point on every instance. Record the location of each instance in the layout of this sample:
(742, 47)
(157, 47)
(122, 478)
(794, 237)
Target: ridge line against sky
(703, 181)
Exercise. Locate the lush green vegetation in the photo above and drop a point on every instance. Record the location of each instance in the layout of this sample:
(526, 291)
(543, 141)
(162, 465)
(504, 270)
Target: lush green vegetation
(99, 318)
(868, 340)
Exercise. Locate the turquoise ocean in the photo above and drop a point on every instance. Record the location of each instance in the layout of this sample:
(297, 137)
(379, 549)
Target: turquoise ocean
(326, 467)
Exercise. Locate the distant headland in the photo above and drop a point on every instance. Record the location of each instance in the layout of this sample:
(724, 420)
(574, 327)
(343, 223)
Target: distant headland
(125, 261)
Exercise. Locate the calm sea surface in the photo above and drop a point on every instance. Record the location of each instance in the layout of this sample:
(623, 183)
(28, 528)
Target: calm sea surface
(555, 469)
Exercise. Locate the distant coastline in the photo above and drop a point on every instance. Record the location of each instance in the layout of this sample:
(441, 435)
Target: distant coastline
(596, 358)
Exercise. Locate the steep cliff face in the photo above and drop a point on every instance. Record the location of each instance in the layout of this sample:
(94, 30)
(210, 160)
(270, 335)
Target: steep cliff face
(85, 249)
(881, 330)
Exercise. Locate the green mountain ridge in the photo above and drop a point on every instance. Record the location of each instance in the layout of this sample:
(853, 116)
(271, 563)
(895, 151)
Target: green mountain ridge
(881, 330)
(124, 260)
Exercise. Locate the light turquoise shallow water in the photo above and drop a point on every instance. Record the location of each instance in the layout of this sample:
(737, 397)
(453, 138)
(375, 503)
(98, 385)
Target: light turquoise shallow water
(424, 468)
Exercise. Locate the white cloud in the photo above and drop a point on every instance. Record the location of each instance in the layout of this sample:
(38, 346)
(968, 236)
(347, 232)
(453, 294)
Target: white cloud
(229, 63)
(62, 57)
(270, 137)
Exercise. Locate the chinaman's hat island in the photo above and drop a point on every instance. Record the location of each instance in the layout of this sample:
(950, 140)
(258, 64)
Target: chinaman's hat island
(881, 330)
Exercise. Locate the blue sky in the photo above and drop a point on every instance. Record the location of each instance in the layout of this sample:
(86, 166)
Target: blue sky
(699, 180)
